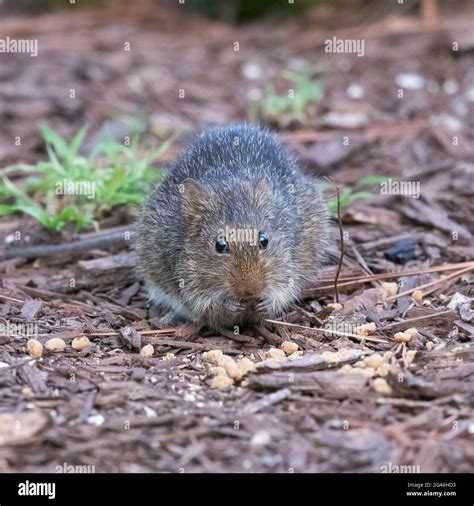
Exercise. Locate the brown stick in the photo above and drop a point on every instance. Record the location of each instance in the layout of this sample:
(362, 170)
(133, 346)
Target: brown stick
(103, 241)
(341, 234)
(432, 283)
(358, 280)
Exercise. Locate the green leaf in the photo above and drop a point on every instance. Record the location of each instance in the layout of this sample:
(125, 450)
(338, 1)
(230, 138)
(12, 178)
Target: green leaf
(371, 181)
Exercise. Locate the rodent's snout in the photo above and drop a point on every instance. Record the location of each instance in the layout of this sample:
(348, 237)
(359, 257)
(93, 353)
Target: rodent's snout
(251, 303)
(250, 296)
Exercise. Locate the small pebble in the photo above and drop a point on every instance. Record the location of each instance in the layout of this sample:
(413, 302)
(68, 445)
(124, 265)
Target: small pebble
(55, 344)
(260, 438)
(34, 348)
(355, 91)
(147, 351)
(410, 81)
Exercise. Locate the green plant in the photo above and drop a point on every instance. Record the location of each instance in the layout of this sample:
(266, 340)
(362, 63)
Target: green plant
(294, 105)
(359, 191)
(70, 188)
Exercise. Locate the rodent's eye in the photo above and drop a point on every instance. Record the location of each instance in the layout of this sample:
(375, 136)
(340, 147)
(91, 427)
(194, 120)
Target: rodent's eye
(263, 240)
(221, 245)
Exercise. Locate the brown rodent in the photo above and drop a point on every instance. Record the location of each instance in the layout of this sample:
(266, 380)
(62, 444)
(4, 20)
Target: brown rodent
(234, 232)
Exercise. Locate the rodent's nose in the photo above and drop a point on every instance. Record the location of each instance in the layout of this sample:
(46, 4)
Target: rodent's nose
(251, 302)
(249, 290)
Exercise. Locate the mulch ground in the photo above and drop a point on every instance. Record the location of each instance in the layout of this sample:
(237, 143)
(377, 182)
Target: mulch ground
(328, 410)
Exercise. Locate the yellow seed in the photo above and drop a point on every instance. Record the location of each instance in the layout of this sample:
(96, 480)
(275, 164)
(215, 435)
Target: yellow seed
(402, 337)
(221, 382)
(34, 348)
(289, 347)
(381, 386)
(390, 289)
(80, 343)
(417, 295)
(218, 371)
(410, 356)
(55, 344)
(373, 361)
(245, 366)
(366, 329)
(275, 353)
(213, 356)
(147, 351)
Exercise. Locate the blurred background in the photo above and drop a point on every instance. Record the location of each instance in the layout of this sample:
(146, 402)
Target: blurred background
(161, 69)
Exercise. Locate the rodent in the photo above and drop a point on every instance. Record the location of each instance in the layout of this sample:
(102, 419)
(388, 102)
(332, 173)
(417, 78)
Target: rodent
(234, 232)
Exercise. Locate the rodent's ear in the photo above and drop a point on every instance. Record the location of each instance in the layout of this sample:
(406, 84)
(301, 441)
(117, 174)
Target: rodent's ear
(194, 201)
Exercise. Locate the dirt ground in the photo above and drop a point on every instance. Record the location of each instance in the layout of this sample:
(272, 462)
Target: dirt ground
(347, 403)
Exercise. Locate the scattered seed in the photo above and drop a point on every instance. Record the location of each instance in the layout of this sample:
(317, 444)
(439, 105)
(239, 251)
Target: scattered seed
(390, 289)
(34, 348)
(275, 353)
(381, 386)
(245, 366)
(55, 344)
(147, 351)
(221, 382)
(80, 343)
(289, 347)
(410, 356)
(417, 295)
(402, 337)
(366, 329)
(373, 361)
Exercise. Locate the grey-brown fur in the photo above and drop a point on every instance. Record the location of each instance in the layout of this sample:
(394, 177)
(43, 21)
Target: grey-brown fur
(240, 177)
